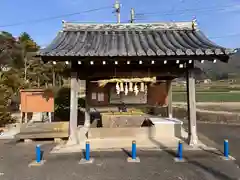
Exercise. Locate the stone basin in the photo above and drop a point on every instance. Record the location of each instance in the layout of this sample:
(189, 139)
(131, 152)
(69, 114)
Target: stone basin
(124, 119)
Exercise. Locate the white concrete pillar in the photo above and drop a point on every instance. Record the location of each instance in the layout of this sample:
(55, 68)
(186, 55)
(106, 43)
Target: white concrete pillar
(73, 108)
(192, 117)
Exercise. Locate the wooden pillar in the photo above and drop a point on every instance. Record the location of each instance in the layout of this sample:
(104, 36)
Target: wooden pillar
(21, 120)
(191, 102)
(169, 90)
(50, 116)
(25, 117)
(73, 107)
(87, 108)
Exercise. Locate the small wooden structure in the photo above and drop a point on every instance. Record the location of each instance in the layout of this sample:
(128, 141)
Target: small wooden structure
(105, 51)
(38, 101)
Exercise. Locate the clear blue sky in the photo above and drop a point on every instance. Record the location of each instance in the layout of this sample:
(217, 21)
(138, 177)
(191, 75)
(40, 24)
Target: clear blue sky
(218, 19)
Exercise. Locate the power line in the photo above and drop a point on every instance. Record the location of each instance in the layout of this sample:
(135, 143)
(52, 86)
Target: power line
(187, 10)
(54, 17)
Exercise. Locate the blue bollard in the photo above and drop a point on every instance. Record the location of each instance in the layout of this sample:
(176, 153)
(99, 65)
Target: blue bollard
(87, 154)
(38, 154)
(226, 148)
(180, 149)
(134, 150)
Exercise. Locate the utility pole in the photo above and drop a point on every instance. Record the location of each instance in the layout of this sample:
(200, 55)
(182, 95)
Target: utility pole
(117, 10)
(132, 15)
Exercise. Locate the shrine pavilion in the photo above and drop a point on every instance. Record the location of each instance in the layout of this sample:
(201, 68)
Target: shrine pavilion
(132, 64)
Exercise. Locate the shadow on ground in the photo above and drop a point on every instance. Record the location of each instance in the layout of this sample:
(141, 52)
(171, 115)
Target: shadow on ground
(187, 156)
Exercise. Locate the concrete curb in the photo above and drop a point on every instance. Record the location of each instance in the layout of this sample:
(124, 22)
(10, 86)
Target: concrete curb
(72, 149)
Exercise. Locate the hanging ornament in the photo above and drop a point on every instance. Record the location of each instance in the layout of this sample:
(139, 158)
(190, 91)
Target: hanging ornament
(136, 91)
(146, 89)
(117, 87)
(121, 87)
(118, 92)
(131, 87)
(142, 87)
(126, 89)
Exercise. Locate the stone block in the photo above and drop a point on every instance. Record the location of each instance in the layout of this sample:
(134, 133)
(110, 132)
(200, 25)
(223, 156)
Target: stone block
(58, 140)
(84, 161)
(28, 141)
(34, 163)
(137, 160)
(176, 159)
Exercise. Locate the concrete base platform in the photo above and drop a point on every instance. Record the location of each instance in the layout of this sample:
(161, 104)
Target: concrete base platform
(162, 128)
(116, 144)
(34, 163)
(230, 158)
(137, 160)
(84, 161)
(27, 141)
(179, 160)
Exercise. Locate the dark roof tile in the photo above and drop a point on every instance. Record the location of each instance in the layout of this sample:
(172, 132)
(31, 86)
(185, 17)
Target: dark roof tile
(132, 40)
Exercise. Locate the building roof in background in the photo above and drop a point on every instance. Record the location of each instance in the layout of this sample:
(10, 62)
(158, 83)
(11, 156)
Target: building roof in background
(111, 40)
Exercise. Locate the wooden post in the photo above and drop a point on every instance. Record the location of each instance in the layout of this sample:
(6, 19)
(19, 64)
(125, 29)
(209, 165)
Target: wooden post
(25, 117)
(73, 107)
(87, 108)
(169, 89)
(22, 116)
(50, 116)
(192, 118)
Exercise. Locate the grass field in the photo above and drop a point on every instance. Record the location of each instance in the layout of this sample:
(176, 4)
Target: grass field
(214, 92)
(209, 96)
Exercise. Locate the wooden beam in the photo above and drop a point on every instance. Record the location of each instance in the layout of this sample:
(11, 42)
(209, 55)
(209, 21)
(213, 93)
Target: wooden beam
(169, 97)
(133, 71)
(223, 58)
(73, 108)
(192, 118)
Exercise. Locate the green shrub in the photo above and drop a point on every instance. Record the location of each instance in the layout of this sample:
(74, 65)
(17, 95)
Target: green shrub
(62, 103)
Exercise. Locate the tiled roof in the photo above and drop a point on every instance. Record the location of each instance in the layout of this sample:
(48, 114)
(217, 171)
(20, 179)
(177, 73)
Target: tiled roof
(158, 39)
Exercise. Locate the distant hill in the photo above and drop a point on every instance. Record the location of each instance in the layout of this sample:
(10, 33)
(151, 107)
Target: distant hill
(220, 70)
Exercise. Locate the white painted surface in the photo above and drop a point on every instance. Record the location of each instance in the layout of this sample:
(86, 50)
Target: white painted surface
(159, 120)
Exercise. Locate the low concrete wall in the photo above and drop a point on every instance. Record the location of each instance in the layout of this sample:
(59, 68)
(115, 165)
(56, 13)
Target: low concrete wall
(43, 130)
(157, 131)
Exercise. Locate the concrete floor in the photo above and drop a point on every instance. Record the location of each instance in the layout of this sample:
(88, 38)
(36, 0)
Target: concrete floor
(154, 165)
(214, 135)
(200, 165)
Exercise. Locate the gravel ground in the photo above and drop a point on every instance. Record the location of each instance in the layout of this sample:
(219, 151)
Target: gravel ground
(157, 165)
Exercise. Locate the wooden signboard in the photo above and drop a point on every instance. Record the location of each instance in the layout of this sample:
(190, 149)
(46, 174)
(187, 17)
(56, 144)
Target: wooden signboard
(37, 100)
